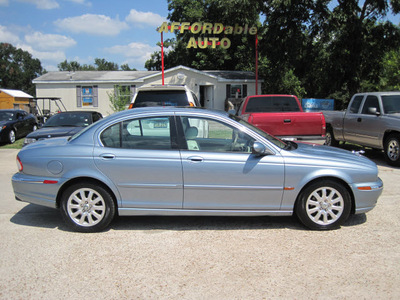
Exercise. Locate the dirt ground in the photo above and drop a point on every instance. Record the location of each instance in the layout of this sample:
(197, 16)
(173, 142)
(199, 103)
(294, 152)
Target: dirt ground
(199, 257)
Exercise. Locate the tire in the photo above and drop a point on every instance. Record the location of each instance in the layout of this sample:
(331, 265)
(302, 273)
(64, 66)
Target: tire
(330, 138)
(392, 150)
(323, 205)
(11, 136)
(87, 207)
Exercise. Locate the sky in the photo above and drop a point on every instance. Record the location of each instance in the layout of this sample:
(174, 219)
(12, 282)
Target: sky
(120, 31)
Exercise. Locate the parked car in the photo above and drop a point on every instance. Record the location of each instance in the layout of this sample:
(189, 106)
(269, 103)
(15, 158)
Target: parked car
(63, 124)
(15, 123)
(282, 116)
(371, 120)
(155, 161)
(164, 95)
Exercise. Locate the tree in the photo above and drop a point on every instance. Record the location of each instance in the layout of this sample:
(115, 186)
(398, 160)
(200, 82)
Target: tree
(120, 98)
(100, 65)
(18, 69)
(227, 12)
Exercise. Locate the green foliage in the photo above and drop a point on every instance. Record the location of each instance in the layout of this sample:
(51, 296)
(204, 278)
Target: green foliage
(18, 69)
(120, 99)
(318, 48)
(100, 64)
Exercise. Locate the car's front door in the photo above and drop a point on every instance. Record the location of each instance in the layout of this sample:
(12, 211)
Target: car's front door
(139, 156)
(221, 173)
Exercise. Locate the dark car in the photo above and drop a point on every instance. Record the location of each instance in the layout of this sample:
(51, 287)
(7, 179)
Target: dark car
(15, 123)
(64, 124)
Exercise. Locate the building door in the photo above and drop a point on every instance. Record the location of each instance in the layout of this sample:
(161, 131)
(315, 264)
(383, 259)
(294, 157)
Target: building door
(207, 96)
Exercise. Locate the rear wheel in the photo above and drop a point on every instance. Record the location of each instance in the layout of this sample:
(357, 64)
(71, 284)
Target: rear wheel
(11, 136)
(323, 205)
(392, 150)
(87, 207)
(330, 138)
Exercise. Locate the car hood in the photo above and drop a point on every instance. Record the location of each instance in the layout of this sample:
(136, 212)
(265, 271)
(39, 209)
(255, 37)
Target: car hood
(331, 156)
(51, 132)
(2, 123)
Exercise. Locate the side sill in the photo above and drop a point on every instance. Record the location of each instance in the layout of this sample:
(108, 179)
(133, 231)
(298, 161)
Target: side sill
(200, 212)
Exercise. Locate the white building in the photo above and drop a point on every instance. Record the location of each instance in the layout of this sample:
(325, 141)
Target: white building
(90, 90)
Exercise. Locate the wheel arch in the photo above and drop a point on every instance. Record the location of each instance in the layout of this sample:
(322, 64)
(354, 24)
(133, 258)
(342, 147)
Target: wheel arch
(89, 180)
(332, 178)
(388, 133)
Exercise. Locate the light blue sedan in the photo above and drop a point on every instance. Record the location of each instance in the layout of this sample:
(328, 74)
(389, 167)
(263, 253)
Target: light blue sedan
(182, 161)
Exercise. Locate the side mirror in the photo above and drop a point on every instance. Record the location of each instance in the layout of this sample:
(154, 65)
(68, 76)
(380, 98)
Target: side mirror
(259, 149)
(373, 111)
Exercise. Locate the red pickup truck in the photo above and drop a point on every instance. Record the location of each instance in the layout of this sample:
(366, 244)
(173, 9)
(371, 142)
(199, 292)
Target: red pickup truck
(282, 116)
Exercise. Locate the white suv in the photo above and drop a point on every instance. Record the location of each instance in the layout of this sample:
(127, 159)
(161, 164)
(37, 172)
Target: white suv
(164, 95)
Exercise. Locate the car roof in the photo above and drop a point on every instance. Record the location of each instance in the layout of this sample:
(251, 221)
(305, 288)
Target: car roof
(380, 93)
(162, 87)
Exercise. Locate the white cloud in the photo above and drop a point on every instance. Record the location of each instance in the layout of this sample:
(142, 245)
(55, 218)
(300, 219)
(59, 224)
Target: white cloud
(3, 2)
(43, 4)
(44, 56)
(144, 18)
(49, 41)
(6, 36)
(136, 54)
(92, 24)
(83, 2)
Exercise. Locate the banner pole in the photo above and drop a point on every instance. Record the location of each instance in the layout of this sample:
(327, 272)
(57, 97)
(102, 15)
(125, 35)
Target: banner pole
(256, 64)
(162, 57)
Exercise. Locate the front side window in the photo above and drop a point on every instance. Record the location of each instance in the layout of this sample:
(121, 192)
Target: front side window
(214, 136)
(371, 102)
(146, 133)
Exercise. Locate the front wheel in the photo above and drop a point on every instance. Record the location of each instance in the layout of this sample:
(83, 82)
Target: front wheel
(392, 150)
(323, 205)
(87, 207)
(11, 136)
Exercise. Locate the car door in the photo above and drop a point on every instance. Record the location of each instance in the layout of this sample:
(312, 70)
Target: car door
(221, 173)
(351, 124)
(141, 158)
(368, 123)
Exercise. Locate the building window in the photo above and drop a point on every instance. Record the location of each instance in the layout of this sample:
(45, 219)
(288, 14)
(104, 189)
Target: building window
(124, 92)
(236, 91)
(87, 96)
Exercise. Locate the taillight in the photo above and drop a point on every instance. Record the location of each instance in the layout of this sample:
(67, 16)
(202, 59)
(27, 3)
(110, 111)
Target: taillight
(130, 106)
(191, 104)
(19, 164)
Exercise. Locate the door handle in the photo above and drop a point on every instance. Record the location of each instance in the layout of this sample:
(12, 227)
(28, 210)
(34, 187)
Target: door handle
(195, 158)
(287, 121)
(359, 120)
(107, 156)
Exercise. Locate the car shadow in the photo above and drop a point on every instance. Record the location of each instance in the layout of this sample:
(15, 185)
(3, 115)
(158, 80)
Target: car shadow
(375, 155)
(43, 217)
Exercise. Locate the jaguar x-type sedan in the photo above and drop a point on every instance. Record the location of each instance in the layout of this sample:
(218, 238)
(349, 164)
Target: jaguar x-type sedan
(182, 161)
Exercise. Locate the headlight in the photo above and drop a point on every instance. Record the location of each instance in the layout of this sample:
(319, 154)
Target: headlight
(29, 141)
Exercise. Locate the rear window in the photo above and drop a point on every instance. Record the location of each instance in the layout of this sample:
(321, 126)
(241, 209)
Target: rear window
(272, 104)
(161, 98)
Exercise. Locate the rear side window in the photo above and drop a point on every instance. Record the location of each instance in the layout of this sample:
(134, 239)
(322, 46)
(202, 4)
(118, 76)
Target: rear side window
(272, 104)
(355, 105)
(161, 98)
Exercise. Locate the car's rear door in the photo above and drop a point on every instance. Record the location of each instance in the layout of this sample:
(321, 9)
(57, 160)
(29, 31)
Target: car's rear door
(141, 158)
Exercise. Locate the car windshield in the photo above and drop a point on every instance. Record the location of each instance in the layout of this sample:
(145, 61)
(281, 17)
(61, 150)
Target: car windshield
(161, 98)
(70, 120)
(7, 116)
(272, 104)
(391, 104)
(272, 139)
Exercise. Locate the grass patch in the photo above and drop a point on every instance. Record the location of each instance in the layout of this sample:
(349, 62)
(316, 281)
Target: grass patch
(17, 145)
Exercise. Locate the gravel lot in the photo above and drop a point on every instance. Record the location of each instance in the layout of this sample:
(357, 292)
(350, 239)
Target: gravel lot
(198, 257)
